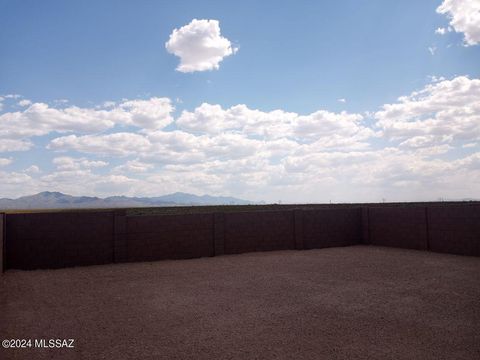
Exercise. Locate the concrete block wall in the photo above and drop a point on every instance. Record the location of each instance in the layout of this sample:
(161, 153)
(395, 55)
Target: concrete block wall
(62, 239)
(331, 227)
(219, 234)
(365, 218)
(454, 229)
(56, 240)
(169, 237)
(120, 249)
(2, 243)
(259, 231)
(403, 227)
(298, 228)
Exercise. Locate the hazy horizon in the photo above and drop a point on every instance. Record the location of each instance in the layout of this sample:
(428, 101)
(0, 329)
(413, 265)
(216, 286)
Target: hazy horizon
(292, 102)
(260, 202)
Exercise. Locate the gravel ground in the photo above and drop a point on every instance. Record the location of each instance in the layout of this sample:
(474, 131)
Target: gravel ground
(358, 302)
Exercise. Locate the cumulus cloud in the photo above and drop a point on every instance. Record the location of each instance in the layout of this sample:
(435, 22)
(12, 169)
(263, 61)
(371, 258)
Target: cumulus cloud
(154, 113)
(108, 104)
(464, 16)
(92, 184)
(33, 169)
(416, 142)
(41, 119)
(114, 184)
(5, 161)
(69, 163)
(434, 78)
(24, 102)
(133, 166)
(199, 45)
(117, 144)
(420, 147)
(324, 124)
(212, 120)
(15, 183)
(447, 110)
(7, 145)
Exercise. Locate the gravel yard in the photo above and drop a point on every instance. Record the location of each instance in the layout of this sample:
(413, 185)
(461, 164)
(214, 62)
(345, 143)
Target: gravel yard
(357, 302)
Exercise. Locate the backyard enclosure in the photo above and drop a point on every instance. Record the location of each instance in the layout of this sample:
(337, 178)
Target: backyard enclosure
(64, 239)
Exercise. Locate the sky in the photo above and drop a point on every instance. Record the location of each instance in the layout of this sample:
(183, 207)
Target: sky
(276, 101)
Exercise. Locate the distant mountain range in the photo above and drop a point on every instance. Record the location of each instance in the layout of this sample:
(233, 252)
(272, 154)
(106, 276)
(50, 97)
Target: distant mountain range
(57, 200)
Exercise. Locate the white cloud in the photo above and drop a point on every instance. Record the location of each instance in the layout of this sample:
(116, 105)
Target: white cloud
(7, 145)
(416, 142)
(69, 163)
(114, 184)
(33, 169)
(92, 184)
(5, 161)
(108, 104)
(432, 50)
(342, 100)
(441, 31)
(464, 16)
(148, 114)
(326, 125)
(470, 162)
(412, 149)
(133, 166)
(321, 125)
(434, 79)
(448, 110)
(212, 119)
(24, 102)
(9, 97)
(118, 144)
(12, 96)
(16, 184)
(206, 119)
(378, 173)
(199, 45)
(41, 119)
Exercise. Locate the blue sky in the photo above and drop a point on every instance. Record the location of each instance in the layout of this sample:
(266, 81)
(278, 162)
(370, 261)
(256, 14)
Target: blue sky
(297, 57)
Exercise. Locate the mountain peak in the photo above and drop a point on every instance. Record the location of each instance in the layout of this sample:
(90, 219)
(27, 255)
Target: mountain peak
(50, 193)
(58, 200)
